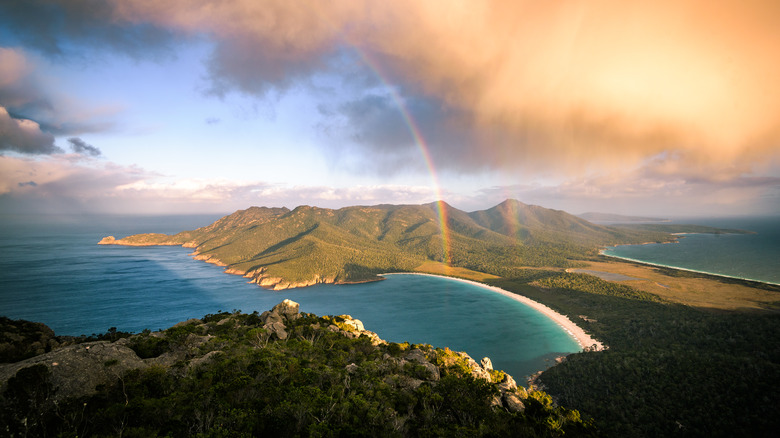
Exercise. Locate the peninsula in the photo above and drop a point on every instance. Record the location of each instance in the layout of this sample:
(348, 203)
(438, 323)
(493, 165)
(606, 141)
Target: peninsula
(278, 248)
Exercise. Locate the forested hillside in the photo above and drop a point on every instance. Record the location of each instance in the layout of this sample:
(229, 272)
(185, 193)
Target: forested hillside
(670, 369)
(279, 373)
(280, 248)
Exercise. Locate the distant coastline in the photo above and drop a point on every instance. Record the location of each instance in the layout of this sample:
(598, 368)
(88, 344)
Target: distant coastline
(718, 276)
(585, 341)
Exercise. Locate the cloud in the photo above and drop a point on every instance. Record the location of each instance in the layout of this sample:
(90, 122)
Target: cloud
(56, 27)
(79, 146)
(24, 136)
(61, 184)
(31, 115)
(572, 85)
(555, 87)
(644, 193)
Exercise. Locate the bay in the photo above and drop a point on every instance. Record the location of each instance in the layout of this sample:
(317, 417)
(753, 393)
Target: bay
(53, 271)
(754, 256)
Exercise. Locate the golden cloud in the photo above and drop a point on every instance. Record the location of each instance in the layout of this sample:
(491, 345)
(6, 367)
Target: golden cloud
(600, 82)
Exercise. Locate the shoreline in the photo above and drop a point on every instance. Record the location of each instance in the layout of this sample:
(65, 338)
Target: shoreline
(711, 274)
(584, 340)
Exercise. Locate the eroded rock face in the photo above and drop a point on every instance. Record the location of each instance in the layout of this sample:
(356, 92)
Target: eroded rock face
(77, 369)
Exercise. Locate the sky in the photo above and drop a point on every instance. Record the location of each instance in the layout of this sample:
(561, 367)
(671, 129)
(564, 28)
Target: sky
(662, 108)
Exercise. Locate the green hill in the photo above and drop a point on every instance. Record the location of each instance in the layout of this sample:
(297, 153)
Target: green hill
(278, 373)
(281, 248)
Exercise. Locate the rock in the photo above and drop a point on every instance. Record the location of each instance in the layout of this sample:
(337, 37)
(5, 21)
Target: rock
(271, 318)
(194, 341)
(354, 323)
(513, 402)
(224, 321)
(108, 240)
(277, 328)
(77, 369)
(433, 371)
(187, 322)
(375, 339)
(287, 309)
(508, 384)
(200, 361)
(351, 368)
(476, 370)
(416, 355)
(487, 364)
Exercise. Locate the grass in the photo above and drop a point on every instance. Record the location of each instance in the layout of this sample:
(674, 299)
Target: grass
(697, 290)
(439, 268)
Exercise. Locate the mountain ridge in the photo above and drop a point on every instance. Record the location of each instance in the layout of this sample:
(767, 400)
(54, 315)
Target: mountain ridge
(279, 248)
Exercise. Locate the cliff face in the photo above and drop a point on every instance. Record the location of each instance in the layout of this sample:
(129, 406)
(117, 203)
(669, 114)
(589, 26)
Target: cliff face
(330, 370)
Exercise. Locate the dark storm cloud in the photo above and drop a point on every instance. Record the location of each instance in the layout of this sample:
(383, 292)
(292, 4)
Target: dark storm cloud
(53, 26)
(382, 124)
(79, 146)
(24, 136)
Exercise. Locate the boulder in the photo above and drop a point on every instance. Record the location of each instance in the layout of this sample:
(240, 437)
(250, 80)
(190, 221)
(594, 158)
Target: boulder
(508, 384)
(354, 323)
(487, 364)
(513, 402)
(277, 328)
(287, 309)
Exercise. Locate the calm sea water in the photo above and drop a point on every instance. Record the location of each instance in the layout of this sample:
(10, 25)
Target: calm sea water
(746, 256)
(54, 272)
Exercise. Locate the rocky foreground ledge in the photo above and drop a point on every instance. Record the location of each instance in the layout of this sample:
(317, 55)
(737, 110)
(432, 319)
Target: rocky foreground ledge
(279, 372)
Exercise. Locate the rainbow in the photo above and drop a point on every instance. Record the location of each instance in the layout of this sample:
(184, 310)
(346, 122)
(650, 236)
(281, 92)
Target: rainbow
(419, 140)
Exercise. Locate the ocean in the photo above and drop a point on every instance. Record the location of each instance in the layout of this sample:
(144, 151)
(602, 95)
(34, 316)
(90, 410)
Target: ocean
(745, 256)
(53, 271)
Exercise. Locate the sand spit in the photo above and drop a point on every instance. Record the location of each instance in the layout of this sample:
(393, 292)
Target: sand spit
(576, 332)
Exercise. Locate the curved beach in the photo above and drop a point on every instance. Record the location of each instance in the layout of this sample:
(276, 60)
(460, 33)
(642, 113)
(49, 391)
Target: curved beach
(585, 341)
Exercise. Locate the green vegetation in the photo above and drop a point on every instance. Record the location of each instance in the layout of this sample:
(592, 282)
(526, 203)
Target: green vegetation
(669, 370)
(594, 285)
(22, 339)
(280, 248)
(234, 376)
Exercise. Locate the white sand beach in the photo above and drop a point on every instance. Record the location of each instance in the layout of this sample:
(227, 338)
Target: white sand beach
(576, 332)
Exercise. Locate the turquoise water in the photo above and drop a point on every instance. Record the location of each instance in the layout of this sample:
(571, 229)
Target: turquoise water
(56, 273)
(746, 256)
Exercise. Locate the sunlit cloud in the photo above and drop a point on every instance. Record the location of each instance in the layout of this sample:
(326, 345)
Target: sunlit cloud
(73, 182)
(612, 100)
